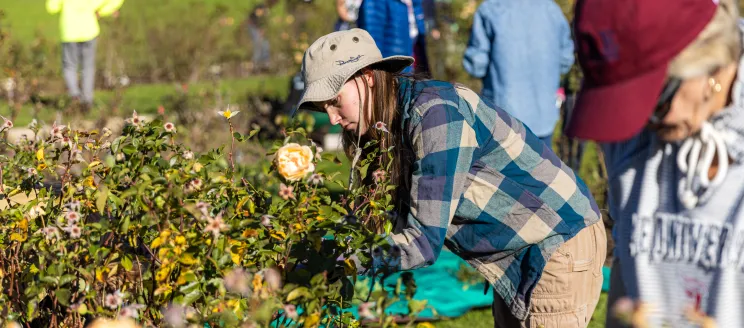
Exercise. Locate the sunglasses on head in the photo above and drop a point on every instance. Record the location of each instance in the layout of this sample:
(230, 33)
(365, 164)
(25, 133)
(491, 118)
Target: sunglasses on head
(664, 105)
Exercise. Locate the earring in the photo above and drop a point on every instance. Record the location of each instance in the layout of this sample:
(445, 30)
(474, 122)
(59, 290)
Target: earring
(715, 86)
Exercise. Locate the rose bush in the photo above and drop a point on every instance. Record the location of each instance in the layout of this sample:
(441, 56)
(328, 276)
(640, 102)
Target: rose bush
(136, 226)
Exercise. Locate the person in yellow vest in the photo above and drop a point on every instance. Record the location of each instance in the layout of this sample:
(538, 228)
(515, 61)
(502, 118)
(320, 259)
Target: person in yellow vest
(78, 24)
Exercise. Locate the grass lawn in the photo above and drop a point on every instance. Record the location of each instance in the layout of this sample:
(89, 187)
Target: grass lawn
(25, 18)
(482, 318)
(145, 98)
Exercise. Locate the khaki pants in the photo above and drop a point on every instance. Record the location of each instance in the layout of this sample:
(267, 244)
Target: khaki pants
(569, 288)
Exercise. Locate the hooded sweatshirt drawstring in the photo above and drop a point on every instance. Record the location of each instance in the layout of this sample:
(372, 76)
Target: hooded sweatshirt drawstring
(695, 158)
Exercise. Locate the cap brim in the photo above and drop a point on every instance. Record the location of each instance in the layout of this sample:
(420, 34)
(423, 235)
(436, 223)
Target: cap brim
(326, 89)
(618, 111)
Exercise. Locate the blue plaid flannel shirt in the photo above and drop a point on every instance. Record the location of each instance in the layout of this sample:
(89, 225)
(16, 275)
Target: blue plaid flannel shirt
(486, 187)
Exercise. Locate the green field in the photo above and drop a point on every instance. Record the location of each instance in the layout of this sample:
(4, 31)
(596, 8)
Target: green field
(25, 18)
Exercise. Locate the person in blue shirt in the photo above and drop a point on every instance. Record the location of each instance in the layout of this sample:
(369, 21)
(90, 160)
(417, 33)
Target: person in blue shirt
(395, 25)
(520, 49)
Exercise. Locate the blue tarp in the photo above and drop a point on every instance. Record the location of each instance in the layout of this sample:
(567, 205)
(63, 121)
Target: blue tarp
(448, 295)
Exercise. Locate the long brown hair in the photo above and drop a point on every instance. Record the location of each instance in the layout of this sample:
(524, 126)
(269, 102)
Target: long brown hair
(384, 108)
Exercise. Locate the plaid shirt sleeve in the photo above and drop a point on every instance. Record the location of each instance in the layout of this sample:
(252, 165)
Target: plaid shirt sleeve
(444, 143)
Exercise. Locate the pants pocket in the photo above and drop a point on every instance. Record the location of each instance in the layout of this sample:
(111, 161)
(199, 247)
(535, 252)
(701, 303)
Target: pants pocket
(569, 319)
(555, 281)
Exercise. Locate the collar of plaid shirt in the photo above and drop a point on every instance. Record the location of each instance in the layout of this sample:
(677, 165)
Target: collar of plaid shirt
(487, 188)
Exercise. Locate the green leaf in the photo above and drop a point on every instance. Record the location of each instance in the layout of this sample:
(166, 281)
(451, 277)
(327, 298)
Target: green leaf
(238, 136)
(125, 225)
(63, 296)
(83, 309)
(66, 279)
(317, 280)
(126, 263)
(191, 297)
(101, 197)
(416, 306)
(129, 149)
(49, 280)
(116, 200)
(254, 132)
(340, 209)
(189, 288)
(300, 292)
(115, 145)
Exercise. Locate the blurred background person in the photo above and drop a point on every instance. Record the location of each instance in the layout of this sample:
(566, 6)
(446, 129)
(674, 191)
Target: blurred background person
(664, 93)
(79, 30)
(520, 49)
(394, 25)
(257, 28)
(348, 11)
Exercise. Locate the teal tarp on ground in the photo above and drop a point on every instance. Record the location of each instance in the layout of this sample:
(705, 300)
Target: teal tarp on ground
(439, 285)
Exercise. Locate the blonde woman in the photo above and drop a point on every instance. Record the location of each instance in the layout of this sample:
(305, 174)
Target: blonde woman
(664, 92)
(468, 176)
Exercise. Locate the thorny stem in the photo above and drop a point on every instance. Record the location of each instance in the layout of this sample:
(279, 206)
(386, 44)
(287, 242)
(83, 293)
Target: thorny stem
(2, 188)
(232, 146)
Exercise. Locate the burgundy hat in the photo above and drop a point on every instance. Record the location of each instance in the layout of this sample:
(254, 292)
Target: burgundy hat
(624, 49)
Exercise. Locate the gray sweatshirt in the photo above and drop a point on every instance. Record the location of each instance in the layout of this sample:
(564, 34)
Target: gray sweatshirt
(674, 256)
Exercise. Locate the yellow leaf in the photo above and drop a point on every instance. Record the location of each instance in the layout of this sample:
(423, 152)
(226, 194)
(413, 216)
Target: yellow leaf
(162, 274)
(320, 218)
(425, 325)
(17, 237)
(99, 274)
(89, 182)
(247, 233)
(312, 321)
(23, 224)
(235, 258)
(180, 240)
(349, 267)
(40, 154)
(41, 167)
(242, 202)
(164, 290)
(188, 259)
(181, 279)
(165, 234)
(156, 243)
(279, 235)
(94, 163)
(198, 167)
(257, 283)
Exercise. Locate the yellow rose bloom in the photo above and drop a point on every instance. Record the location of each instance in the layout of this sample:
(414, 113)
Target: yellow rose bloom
(294, 161)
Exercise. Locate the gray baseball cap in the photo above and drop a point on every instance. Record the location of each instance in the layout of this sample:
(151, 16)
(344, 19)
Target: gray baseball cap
(334, 58)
